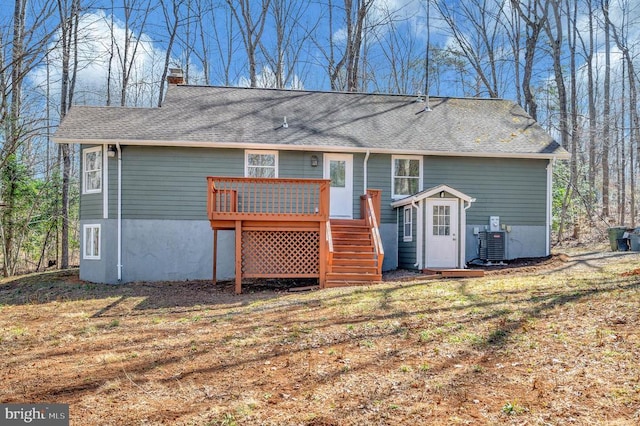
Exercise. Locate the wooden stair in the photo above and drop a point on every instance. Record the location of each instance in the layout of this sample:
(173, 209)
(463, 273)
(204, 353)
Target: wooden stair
(354, 257)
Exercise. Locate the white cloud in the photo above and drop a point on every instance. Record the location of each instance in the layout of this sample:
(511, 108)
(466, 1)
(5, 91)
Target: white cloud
(95, 53)
(267, 79)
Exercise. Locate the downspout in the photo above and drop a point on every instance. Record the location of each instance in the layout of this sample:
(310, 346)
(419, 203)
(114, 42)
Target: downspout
(365, 167)
(549, 204)
(463, 234)
(119, 212)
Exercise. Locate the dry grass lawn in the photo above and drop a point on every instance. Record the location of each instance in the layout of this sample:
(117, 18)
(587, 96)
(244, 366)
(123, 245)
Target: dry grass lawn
(542, 346)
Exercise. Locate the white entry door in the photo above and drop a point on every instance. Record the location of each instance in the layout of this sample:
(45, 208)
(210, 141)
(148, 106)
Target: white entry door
(442, 233)
(339, 168)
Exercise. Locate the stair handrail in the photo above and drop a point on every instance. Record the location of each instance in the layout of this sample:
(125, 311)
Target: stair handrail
(372, 222)
(329, 247)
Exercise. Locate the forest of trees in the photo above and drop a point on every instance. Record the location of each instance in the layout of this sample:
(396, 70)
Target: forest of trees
(571, 64)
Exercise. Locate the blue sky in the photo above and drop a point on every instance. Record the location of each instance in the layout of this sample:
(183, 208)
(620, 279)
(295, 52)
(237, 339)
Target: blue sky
(310, 71)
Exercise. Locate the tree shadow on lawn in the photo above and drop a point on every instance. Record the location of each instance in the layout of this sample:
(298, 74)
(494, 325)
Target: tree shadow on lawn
(65, 286)
(498, 337)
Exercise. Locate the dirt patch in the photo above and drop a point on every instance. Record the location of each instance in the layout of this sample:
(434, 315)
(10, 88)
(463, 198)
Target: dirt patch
(554, 341)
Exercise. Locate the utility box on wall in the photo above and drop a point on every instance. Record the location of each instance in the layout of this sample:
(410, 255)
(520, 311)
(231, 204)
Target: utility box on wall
(494, 223)
(492, 245)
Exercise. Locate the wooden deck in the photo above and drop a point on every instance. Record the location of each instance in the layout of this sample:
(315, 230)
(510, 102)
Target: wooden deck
(282, 230)
(454, 273)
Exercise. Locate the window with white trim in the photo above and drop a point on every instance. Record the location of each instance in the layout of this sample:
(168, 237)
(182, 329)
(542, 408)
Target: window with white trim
(92, 170)
(441, 220)
(407, 175)
(91, 245)
(408, 225)
(261, 164)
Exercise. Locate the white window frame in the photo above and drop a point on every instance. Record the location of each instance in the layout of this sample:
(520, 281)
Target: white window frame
(86, 151)
(260, 152)
(393, 173)
(407, 212)
(87, 250)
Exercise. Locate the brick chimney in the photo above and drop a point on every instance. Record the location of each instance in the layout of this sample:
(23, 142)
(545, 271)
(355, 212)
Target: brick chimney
(175, 76)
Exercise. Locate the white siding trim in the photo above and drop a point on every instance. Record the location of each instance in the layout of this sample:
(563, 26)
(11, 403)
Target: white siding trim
(420, 235)
(105, 183)
(549, 206)
(462, 236)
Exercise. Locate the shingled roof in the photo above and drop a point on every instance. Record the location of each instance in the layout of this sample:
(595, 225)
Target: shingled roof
(329, 121)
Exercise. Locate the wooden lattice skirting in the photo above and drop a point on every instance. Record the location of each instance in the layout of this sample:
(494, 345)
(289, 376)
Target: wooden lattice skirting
(280, 254)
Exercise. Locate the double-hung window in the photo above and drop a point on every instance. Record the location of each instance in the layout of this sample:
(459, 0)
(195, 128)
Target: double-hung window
(261, 164)
(407, 175)
(91, 245)
(92, 170)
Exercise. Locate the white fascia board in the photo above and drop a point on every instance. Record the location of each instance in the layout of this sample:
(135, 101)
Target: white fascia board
(430, 192)
(320, 148)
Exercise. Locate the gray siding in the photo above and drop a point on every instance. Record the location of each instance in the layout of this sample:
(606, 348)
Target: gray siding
(91, 206)
(514, 189)
(113, 187)
(297, 164)
(379, 166)
(358, 183)
(170, 183)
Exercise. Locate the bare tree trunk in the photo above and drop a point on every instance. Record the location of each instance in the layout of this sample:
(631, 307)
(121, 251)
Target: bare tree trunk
(555, 41)
(606, 136)
(172, 28)
(131, 43)
(9, 169)
(622, 169)
(251, 29)
(535, 17)
(478, 43)
(69, 20)
(290, 38)
(621, 43)
(26, 52)
(572, 33)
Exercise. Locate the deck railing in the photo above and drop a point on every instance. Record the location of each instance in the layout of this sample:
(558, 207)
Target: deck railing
(368, 209)
(263, 199)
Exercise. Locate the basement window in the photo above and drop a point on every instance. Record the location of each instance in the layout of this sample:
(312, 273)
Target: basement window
(92, 170)
(91, 246)
(261, 164)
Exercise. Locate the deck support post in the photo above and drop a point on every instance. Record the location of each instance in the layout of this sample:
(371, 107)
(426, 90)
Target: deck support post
(215, 256)
(238, 256)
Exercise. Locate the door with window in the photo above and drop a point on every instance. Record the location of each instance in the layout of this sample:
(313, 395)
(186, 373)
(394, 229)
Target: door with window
(339, 168)
(442, 233)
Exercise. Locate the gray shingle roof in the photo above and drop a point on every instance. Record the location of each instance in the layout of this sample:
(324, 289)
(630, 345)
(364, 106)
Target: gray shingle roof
(232, 116)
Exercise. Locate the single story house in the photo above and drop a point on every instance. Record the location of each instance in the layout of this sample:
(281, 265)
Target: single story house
(154, 181)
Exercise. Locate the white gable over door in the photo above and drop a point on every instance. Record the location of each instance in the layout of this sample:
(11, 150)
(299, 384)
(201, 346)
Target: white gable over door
(441, 241)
